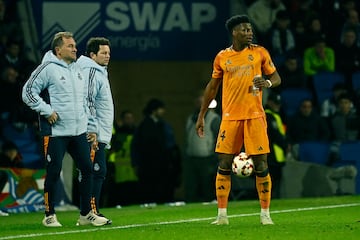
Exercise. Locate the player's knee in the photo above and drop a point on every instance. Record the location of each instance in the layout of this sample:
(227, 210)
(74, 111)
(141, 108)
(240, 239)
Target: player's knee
(261, 166)
(262, 173)
(225, 161)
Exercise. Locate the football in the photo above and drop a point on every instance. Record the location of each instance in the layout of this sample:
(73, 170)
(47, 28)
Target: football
(243, 165)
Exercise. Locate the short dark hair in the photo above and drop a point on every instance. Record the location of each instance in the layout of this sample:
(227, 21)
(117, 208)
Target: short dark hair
(236, 20)
(152, 105)
(93, 44)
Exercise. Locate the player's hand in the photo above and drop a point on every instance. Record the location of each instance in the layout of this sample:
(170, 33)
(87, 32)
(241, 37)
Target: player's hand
(91, 137)
(261, 82)
(200, 127)
(53, 118)
(95, 145)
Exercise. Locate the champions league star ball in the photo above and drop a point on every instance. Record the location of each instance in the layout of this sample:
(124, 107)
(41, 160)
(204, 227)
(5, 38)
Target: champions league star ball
(243, 165)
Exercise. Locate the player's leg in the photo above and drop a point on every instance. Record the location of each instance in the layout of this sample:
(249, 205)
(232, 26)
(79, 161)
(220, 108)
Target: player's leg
(228, 144)
(54, 151)
(263, 186)
(99, 171)
(79, 149)
(257, 146)
(223, 187)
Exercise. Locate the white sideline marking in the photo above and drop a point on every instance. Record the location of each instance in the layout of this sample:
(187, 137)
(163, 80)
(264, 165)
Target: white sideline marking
(174, 222)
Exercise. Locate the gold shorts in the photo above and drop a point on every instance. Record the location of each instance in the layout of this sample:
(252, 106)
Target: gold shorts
(250, 133)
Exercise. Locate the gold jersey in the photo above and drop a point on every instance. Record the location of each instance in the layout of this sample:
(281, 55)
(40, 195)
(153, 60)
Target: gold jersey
(238, 69)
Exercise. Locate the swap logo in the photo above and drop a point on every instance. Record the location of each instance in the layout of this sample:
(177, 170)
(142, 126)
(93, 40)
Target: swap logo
(142, 29)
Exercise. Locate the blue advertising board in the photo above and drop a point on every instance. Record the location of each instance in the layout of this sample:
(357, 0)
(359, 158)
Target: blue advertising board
(139, 30)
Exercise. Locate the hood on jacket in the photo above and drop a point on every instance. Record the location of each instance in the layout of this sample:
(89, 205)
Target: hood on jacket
(86, 62)
(50, 57)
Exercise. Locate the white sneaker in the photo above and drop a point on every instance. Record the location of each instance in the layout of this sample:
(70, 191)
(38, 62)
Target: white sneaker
(265, 219)
(221, 220)
(109, 221)
(3, 214)
(51, 221)
(92, 218)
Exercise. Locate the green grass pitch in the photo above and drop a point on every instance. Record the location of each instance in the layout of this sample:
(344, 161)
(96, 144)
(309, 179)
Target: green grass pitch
(305, 218)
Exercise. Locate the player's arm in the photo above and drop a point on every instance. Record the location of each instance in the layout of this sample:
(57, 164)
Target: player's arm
(274, 79)
(91, 91)
(209, 94)
(268, 81)
(270, 77)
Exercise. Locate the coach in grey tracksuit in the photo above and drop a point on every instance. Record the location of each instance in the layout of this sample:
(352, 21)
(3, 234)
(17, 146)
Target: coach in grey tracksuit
(57, 91)
(94, 65)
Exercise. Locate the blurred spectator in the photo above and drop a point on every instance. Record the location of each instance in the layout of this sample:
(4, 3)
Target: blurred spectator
(122, 183)
(344, 124)
(306, 125)
(292, 72)
(313, 31)
(299, 7)
(352, 21)
(336, 18)
(12, 108)
(200, 161)
(9, 22)
(9, 158)
(348, 55)
(15, 58)
(263, 13)
(329, 106)
(10, 90)
(298, 29)
(155, 155)
(319, 57)
(280, 38)
(277, 140)
(300, 11)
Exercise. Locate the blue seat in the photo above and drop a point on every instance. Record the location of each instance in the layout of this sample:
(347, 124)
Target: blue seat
(350, 151)
(291, 98)
(324, 82)
(28, 145)
(314, 152)
(355, 80)
(350, 155)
